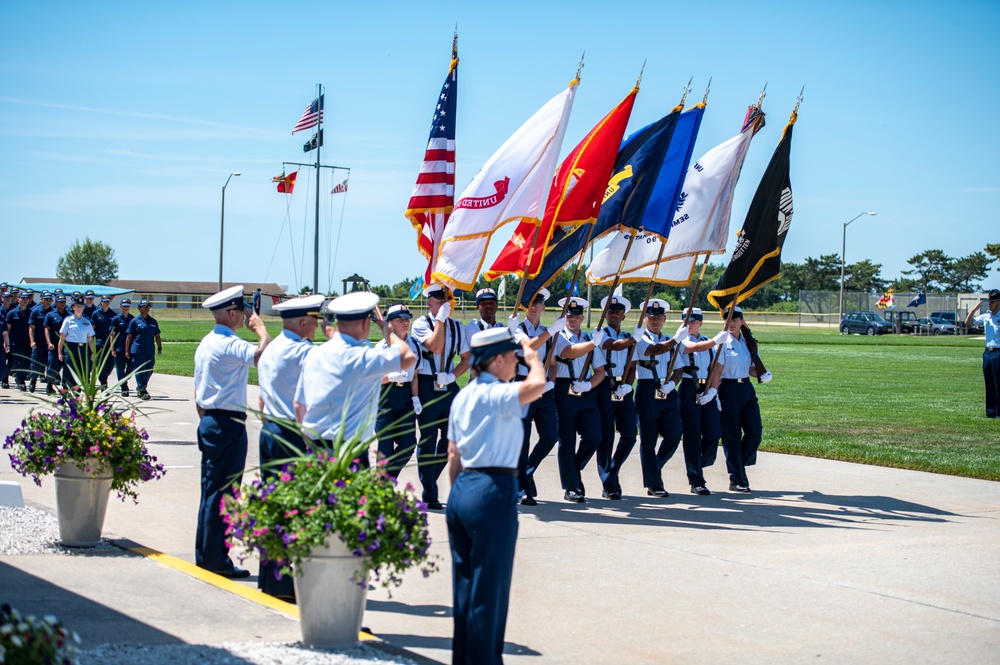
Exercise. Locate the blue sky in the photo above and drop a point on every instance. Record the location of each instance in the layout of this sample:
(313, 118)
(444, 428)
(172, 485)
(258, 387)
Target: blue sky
(122, 121)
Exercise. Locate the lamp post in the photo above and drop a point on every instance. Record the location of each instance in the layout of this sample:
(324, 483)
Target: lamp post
(222, 224)
(843, 247)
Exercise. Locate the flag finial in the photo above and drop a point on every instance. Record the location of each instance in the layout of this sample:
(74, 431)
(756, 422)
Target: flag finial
(708, 88)
(687, 89)
(763, 94)
(798, 101)
(641, 70)
(579, 68)
(454, 43)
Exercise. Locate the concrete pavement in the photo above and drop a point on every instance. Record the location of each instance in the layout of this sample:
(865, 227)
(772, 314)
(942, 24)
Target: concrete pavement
(844, 562)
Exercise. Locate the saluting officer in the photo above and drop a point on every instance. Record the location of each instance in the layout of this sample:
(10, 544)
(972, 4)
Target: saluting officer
(575, 403)
(76, 344)
(278, 374)
(741, 424)
(102, 330)
(53, 324)
(615, 399)
(396, 425)
(991, 356)
(336, 398)
(119, 333)
(441, 339)
(656, 399)
(39, 349)
(484, 442)
(143, 333)
(541, 412)
(88, 303)
(221, 368)
(486, 304)
(20, 340)
(699, 400)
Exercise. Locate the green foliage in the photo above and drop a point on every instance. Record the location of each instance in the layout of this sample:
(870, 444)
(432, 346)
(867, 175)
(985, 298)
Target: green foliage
(87, 262)
(993, 250)
(32, 641)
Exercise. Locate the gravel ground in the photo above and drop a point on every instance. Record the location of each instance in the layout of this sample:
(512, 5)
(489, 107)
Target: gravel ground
(247, 653)
(32, 531)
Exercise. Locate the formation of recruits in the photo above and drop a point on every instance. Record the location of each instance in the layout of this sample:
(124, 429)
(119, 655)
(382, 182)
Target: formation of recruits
(44, 341)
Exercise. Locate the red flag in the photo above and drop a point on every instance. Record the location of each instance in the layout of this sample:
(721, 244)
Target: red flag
(286, 183)
(575, 196)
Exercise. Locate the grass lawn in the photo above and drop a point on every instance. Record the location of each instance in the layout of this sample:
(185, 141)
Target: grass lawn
(896, 400)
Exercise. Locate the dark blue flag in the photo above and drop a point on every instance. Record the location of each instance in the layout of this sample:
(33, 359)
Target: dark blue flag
(919, 300)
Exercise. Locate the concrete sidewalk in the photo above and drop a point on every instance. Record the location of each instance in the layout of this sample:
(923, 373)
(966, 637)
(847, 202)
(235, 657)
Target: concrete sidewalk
(844, 562)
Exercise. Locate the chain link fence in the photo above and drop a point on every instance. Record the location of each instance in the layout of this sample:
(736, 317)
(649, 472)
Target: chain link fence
(822, 307)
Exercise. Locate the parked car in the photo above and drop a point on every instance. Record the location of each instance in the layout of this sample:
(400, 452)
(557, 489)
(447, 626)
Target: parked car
(947, 316)
(906, 320)
(937, 326)
(867, 323)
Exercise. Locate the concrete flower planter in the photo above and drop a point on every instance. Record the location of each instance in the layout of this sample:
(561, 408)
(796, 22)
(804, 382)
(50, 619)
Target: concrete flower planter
(81, 502)
(330, 603)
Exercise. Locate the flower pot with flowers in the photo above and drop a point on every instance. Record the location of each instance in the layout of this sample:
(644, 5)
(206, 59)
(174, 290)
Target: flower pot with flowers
(28, 640)
(91, 446)
(331, 523)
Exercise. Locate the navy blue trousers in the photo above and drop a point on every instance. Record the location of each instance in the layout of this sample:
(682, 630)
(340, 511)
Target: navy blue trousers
(144, 363)
(223, 444)
(269, 579)
(396, 427)
(19, 362)
(76, 358)
(614, 415)
(482, 531)
(702, 428)
(577, 414)
(991, 374)
(432, 452)
(39, 362)
(106, 366)
(55, 367)
(741, 428)
(541, 412)
(3, 362)
(657, 418)
(123, 366)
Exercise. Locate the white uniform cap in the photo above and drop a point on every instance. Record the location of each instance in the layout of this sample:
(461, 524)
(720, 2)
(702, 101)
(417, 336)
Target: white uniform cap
(231, 297)
(485, 294)
(655, 304)
(353, 306)
(543, 294)
(617, 300)
(294, 308)
(695, 311)
(576, 305)
(433, 286)
(487, 343)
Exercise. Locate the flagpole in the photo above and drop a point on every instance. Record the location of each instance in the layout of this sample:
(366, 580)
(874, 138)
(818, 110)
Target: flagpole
(725, 326)
(524, 271)
(576, 276)
(319, 141)
(687, 317)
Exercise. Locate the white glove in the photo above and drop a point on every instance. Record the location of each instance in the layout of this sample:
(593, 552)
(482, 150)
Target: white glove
(557, 326)
(723, 337)
(668, 387)
(444, 312)
(681, 334)
(623, 389)
(708, 396)
(396, 377)
(638, 332)
(599, 337)
(417, 406)
(581, 386)
(444, 378)
(512, 323)
(718, 403)
(766, 377)
(549, 385)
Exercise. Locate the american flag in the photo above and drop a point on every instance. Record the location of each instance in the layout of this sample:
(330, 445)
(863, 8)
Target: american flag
(340, 188)
(434, 193)
(312, 116)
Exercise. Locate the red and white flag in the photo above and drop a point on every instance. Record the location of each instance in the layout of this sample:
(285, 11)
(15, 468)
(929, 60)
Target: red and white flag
(312, 116)
(340, 188)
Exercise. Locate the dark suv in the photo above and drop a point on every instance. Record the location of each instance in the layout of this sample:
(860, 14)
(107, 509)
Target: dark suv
(904, 318)
(868, 323)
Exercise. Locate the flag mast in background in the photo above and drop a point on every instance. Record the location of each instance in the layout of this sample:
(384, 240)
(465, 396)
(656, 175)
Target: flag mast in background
(313, 117)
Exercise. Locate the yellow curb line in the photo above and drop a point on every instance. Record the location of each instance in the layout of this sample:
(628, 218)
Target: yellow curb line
(253, 595)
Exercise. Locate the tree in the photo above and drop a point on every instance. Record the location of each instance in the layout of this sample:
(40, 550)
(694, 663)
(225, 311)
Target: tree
(865, 277)
(994, 251)
(967, 273)
(87, 262)
(930, 268)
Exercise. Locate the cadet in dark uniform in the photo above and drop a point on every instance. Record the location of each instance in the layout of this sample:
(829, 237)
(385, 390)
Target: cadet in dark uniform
(143, 334)
(102, 332)
(36, 329)
(991, 356)
(615, 399)
(575, 403)
(4, 350)
(119, 334)
(542, 411)
(655, 399)
(484, 443)
(20, 340)
(256, 301)
(396, 426)
(441, 338)
(741, 424)
(53, 325)
(88, 304)
(76, 344)
(221, 370)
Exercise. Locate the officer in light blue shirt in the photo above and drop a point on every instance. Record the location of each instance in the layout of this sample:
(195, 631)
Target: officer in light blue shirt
(396, 425)
(991, 356)
(741, 423)
(484, 444)
(76, 343)
(336, 399)
(614, 397)
(221, 368)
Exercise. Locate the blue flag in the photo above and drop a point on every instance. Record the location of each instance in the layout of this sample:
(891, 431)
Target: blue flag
(416, 288)
(662, 202)
(573, 288)
(919, 300)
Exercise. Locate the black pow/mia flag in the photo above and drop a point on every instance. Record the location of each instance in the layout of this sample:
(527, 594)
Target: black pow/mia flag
(757, 257)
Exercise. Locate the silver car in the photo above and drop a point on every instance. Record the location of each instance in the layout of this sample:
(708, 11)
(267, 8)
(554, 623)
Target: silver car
(936, 326)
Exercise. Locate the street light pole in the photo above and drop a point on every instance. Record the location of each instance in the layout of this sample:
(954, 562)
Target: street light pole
(222, 224)
(843, 248)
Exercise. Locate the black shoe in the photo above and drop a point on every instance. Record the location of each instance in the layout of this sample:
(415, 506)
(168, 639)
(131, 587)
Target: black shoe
(700, 490)
(612, 495)
(581, 490)
(618, 487)
(6, 386)
(22, 387)
(528, 500)
(574, 496)
(658, 492)
(50, 389)
(435, 505)
(233, 573)
(31, 387)
(530, 489)
(145, 396)
(124, 392)
(743, 489)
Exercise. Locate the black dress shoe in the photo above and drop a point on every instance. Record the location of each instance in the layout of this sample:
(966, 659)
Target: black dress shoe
(700, 490)
(574, 496)
(528, 500)
(22, 387)
(6, 386)
(50, 389)
(233, 573)
(145, 396)
(31, 387)
(530, 489)
(658, 492)
(124, 392)
(435, 505)
(612, 495)
(743, 489)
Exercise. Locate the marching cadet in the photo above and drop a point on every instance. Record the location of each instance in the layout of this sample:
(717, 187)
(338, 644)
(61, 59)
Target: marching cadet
(486, 304)
(575, 403)
(221, 370)
(541, 412)
(396, 425)
(102, 330)
(76, 344)
(36, 332)
(256, 301)
(336, 398)
(4, 351)
(119, 333)
(88, 303)
(484, 442)
(4, 288)
(20, 340)
(699, 402)
(614, 398)
(655, 399)
(441, 338)
(53, 325)
(741, 424)
(278, 374)
(143, 333)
